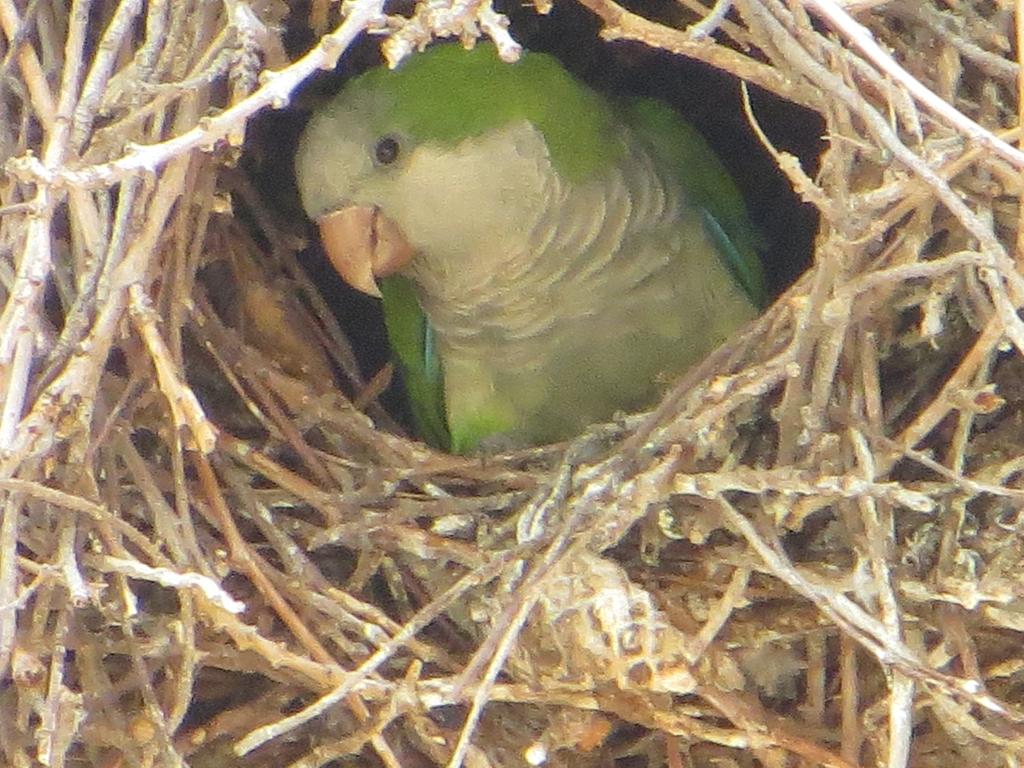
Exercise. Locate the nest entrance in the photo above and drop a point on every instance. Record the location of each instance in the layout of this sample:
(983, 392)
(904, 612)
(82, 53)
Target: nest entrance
(807, 555)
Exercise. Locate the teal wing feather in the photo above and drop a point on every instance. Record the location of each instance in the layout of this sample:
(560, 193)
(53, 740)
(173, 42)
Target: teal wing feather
(412, 343)
(676, 144)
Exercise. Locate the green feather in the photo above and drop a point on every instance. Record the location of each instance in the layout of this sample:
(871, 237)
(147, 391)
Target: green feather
(676, 144)
(412, 342)
(475, 430)
(449, 94)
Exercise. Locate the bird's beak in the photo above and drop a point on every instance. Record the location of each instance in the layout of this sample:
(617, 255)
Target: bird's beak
(363, 245)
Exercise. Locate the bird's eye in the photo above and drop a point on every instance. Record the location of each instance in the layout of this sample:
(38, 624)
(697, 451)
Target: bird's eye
(386, 150)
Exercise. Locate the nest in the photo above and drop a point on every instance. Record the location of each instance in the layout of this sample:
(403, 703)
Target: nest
(216, 549)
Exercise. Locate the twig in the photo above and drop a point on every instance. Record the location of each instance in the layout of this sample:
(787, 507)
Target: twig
(862, 40)
(464, 19)
(210, 589)
(275, 92)
(1019, 36)
(620, 24)
(11, 506)
(798, 482)
(426, 615)
(181, 399)
(855, 621)
(707, 26)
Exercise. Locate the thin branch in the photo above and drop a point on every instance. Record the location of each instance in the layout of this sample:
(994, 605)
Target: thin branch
(275, 92)
(855, 32)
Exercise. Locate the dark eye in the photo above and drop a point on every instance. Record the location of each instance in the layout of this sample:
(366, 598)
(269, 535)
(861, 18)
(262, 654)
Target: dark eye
(386, 150)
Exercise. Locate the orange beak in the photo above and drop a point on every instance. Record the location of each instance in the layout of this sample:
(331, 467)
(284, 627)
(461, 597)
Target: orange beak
(363, 245)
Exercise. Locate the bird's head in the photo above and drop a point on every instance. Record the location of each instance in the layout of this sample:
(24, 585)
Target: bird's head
(421, 168)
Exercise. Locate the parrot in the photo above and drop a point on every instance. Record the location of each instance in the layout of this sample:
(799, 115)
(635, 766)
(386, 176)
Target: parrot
(547, 256)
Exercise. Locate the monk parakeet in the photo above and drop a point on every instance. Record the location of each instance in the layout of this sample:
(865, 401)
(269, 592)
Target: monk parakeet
(546, 257)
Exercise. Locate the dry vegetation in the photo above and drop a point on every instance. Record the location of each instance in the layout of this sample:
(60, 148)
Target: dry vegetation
(808, 555)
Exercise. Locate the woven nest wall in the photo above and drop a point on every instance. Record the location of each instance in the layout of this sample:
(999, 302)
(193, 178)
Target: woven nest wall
(216, 549)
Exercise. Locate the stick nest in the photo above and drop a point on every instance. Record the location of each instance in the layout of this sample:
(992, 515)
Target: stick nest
(215, 551)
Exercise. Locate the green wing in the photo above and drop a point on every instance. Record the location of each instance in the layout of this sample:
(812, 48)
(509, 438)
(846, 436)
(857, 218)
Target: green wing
(412, 342)
(676, 144)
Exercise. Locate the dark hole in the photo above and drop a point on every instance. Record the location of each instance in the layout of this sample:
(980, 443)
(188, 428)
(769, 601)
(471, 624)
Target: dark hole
(707, 98)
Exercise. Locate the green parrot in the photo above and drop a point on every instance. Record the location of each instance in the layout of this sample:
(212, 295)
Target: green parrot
(545, 257)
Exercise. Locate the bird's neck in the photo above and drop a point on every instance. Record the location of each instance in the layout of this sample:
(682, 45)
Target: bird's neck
(555, 252)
